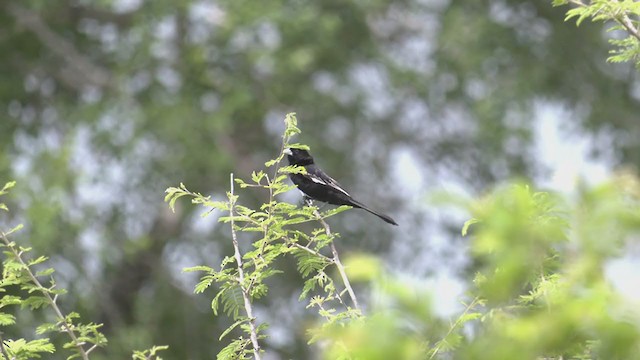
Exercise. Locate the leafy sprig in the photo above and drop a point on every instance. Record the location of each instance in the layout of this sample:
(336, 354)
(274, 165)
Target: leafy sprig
(22, 272)
(624, 14)
(240, 278)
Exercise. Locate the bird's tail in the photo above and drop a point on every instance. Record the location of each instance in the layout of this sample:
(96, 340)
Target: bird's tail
(384, 217)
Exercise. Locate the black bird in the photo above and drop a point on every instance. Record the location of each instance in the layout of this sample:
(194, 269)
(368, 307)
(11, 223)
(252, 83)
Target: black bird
(317, 185)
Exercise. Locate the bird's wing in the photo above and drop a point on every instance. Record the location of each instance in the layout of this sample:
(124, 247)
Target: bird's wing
(318, 176)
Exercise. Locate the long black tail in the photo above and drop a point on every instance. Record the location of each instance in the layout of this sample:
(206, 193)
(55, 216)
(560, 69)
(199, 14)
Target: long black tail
(384, 217)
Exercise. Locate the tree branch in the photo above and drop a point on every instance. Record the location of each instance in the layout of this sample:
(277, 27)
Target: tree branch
(3, 349)
(626, 22)
(44, 291)
(311, 251)
(622, 19)
(245, 290)
(336, 260)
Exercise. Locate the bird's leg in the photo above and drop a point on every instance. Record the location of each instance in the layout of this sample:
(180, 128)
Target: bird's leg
(307, 200)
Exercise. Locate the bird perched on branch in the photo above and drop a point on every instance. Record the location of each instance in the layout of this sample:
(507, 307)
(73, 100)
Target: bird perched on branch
(317, 185)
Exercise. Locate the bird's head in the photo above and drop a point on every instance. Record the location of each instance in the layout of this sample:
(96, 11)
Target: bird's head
(298, 157)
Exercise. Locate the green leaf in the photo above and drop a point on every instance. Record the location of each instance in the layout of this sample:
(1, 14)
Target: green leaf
(45, 272)
(232, 301)
(299, 146)
(467, 224)
(173, 194)
(149, 354)
(291, 126)
(308, 263)
(292, 169)
(234, 349)
(204, 283)
(7, 319)
(39, 260)
(230, 328)
(46, 327)
(35, 302)
(257, 177)
(11, 231)
(7, 186)
(198, 268)
(10, 300)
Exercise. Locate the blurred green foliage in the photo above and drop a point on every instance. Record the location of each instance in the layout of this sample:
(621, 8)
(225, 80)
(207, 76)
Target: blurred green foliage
(542, 291)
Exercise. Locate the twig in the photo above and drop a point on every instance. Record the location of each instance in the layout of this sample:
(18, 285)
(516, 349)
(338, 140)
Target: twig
(65, 325)
(4, 350)
(622, 19)
(453, 327)
(245, 290)
(311, 251)
(336, 260)
(626, 22)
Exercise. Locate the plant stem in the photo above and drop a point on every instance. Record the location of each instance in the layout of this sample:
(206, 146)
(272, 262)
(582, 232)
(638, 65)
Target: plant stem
(245, 290)
(45, 292)
(4, 350)
(455, 325)
(336, 260)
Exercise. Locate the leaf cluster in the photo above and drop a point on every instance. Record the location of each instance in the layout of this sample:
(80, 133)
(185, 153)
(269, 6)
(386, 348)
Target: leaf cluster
(27, 283)
(544, 273)
(626, 18)
(541, 287)
(274, 227)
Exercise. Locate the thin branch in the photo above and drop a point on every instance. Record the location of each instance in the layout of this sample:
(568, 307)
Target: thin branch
(245, 290)
(343, 275)
(453, 327)
(336, 260)
(311, 251)
(4, 350)
(95, 346)
(622, 19)
(65, 325)
(626, 22)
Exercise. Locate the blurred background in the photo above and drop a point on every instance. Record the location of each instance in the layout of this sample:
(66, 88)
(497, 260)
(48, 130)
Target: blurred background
(107, 103)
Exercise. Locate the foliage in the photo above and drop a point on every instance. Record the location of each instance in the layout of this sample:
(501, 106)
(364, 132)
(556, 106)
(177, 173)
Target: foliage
(19, 272)
(23, 287)
(544, 273)
(274, 230)
(541, 290)
(541, 286)
(150, 354)
(194, 90)
(625, 15)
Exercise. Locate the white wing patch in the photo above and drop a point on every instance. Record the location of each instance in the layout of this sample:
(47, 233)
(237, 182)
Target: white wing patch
(317, 180)
(332, 183)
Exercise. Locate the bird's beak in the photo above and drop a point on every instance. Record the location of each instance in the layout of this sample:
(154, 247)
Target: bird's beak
(287, 151)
